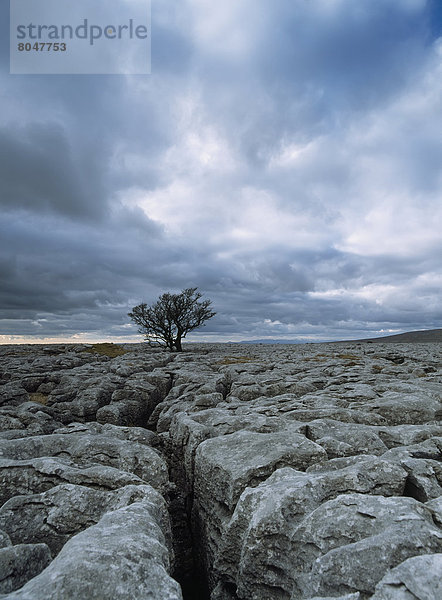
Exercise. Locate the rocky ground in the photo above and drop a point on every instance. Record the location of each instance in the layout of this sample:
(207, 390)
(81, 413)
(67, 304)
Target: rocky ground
(229, 472)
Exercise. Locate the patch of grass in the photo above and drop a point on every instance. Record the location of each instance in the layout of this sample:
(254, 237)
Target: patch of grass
(235, 360)
(317, 358)
(106, 349)
(349, 357)
(40, 398)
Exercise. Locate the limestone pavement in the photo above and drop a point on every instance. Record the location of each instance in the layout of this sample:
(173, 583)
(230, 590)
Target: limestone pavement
(226, 472)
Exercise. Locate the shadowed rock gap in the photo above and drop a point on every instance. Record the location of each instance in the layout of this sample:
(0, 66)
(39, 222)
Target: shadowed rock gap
(180, 502)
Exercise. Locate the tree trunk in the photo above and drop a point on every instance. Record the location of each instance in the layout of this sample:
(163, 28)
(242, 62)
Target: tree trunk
(170, 343)
(178, 345)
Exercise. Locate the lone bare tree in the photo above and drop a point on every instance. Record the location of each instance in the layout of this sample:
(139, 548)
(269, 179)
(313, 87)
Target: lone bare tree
(171, 318)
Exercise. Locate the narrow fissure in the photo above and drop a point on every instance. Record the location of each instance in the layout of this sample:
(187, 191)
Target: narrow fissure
(180, 503)
(185, 544)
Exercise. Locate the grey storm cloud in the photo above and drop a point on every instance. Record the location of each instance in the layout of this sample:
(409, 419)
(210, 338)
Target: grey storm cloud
(39, 171)
(284, 157)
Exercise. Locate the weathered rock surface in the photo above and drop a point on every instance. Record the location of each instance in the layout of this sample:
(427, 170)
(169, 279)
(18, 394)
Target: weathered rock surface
(85, 450)
(54, 516)
(123, 556)
(418, 578)
(289, 472)
(20, 563)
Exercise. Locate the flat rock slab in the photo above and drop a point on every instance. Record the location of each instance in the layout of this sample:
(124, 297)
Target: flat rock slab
(123, 557)
(54, 516)
(226, 465)
(20, 563)
(23, 477)
(88, 449)
(256, 550)
(417, 578)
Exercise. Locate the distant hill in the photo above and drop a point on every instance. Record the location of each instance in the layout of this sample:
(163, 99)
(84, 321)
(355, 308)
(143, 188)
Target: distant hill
(272, 341)
(426, 335)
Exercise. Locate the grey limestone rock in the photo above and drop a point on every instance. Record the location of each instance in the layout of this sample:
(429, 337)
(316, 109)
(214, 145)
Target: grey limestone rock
(436, 506)
(131, 404)
(54, 516)
(88, 449)
(348, 543)
(13, 393)
(31, 476)
(5, 540)
(255, 550)
(345, 439)
(351, 596)
(123, 557)
(29, 418)
(133, 434)
(399, 408)
(422, 461)
(226, 465)
(20, 563)
(407, 435)
(417, 578)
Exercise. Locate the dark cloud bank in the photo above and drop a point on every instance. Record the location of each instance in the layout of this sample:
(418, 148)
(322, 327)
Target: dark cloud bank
(284, 157)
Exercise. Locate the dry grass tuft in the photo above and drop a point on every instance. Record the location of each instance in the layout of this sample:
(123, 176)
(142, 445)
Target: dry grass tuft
(349, 357)
(317, 358)
(106, 349)
(235, 360)
(40, 398)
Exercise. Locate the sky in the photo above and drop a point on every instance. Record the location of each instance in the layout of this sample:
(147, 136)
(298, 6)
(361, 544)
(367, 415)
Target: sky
(284, 156)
